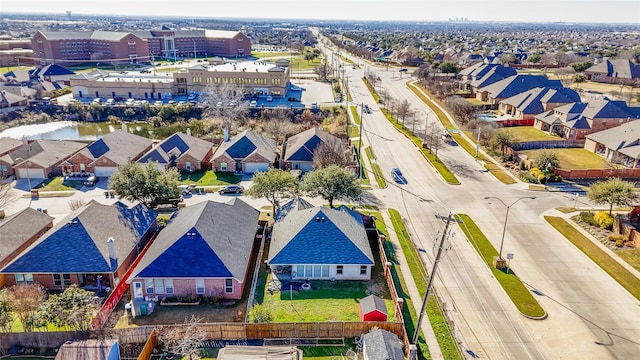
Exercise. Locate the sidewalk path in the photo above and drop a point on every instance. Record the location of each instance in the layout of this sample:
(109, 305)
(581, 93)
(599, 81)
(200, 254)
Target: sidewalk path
(412, 289)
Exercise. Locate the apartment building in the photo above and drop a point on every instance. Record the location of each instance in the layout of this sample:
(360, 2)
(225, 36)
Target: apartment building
(119, 47)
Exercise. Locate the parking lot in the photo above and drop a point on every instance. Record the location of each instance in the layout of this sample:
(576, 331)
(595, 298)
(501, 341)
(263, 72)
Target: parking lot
(314, 91)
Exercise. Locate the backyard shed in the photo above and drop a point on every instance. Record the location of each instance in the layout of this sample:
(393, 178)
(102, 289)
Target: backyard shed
(372, 308)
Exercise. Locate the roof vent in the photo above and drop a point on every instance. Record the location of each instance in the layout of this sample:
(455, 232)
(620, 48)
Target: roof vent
(317, 218)
(323, 219)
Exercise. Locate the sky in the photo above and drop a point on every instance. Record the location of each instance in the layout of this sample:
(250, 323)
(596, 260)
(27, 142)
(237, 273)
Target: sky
(570, 11)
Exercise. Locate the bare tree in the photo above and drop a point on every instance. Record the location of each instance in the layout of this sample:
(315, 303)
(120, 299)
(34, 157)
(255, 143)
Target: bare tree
(186, 340)
(433, 139)
(404, 110)
(25, 299)
(323, 71)
(225, 102)
(278, 124)
(463, 110)
(331, 152)
(7, 195)
(76, 204)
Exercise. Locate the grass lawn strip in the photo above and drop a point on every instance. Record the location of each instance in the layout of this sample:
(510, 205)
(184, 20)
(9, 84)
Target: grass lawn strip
(515, 289)
(439, 323)
(500, 174)
(377, 172)
(618, 272)
(446, 174)
(573, 158)
(209, 178)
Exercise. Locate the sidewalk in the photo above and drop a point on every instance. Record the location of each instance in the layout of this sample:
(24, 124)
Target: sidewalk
(412, 289)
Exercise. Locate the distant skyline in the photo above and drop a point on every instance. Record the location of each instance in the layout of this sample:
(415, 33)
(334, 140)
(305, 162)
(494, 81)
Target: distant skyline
(569, 11)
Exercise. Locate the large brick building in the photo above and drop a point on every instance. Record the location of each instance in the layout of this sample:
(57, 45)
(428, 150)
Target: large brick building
(118, 47)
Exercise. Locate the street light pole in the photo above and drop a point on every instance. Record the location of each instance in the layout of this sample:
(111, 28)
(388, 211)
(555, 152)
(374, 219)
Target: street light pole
(506, 217)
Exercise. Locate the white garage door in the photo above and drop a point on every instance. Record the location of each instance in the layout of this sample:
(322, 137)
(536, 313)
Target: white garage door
(104, 171)
(253, 167)
(24, 173)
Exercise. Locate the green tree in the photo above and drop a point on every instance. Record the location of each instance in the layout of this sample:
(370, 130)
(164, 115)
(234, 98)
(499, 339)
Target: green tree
(614, 191)
(534, 58)
(579, 78)
(448, 67)
(502, 140)
(546, 159)
(6, 317)
(73, 308)
(145, 183)
(331, 183)
(275, 185)
(24, 300)
(581, 66)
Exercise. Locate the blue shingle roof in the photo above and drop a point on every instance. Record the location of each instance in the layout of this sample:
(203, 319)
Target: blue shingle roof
(174, 141)
(241, 149)
(98, 148)
(320, 236)
(173, 261)
(305, 153)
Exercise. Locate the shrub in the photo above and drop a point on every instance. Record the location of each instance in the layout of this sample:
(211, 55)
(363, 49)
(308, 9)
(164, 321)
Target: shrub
(616, 238)
(604, 220)
(260, 314)
(619, 243)
(527, 177)
(587, 218)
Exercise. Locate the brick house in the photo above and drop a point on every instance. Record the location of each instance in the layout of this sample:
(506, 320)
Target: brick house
(7, 145)
(298, 149)
(40, 159)
(614, 71)
(93, 246)
(530, 103)
(246, 152)
(182, 151)
(19, 231)
(203, 251)
(619, 145)
(103, 156)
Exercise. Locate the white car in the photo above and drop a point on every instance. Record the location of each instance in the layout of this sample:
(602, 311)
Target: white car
(253, 103)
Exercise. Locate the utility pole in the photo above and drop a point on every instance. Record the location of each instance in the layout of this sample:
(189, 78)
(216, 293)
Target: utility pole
(478, 143)
(360, 139)
(432, 276)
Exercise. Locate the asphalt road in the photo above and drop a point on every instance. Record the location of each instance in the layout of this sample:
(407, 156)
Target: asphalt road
(590, 315)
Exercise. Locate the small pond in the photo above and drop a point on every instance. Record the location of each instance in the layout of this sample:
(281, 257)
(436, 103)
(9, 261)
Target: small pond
(67, 130)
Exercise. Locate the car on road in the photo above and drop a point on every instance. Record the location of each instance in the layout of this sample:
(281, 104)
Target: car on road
(397, 176)
(231, 189)
(404, 70)
(366, 109)
(253, 103)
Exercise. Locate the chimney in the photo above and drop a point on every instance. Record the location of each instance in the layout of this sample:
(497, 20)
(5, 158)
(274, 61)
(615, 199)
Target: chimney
(226, 134)
(189, 131)
(113, 258)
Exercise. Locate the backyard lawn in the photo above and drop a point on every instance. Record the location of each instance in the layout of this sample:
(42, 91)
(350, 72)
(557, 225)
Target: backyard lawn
(573, 158)
(327, 301)
(529, 133)
(209, 178)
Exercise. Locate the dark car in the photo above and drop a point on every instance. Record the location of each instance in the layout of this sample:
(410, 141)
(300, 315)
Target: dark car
(397, 176)
(231, 189)
(367, 110)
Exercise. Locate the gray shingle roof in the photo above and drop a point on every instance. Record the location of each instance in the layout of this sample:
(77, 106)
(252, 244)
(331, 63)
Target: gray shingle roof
(20, 227)
(64, 35)
(7, 144)
(88, 349)
(624, 139)
(532, 101)
(245, 144)
(382, 345)
(180, 144)
(517, 84)
(208, 239)
(300, 147)
(319, 236)
(46, 153)
(371, 303)
(118, 146)
(617, 68)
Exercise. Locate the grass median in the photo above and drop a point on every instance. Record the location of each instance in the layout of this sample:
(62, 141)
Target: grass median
(446, 174)
(618, 272)
(500, 174)
(515, 289)
(375, 168)
(439, 323)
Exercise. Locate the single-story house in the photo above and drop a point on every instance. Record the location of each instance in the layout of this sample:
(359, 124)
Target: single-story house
(482, 74)
(203, 251)
(530, 103)
(182, 151)
(92, 247)
(6, 146)
(20, 230)
(9, 99)
(382, 345)
(577, 120)
(513, 85)
(614, 71)
(103, 156)
(298, 150)
(620, 144)
(40, 159)
(321, 243)
(373, 308)
(246, 152)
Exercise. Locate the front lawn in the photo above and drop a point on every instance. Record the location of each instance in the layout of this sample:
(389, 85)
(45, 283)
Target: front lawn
(529, 133)
(59, 184)
(573, 158)
(209, 178)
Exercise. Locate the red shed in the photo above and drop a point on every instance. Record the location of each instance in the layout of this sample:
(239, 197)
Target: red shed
(372, 308)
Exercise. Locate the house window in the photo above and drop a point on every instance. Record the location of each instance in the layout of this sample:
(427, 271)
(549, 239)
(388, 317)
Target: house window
(325, 271)
(24, 278)
(363, 270)
(228, 286)
(3, 168)
(60, 280)
(188, 166)
(82, 167)
(199, 286)
(308, 271)
(300, 270)
(223, 166)
(168, 286)
(339, 269)
(148, 285)
(159, 285)
(316, 271)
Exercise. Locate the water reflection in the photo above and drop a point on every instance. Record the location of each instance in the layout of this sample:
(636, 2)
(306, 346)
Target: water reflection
(67, 130)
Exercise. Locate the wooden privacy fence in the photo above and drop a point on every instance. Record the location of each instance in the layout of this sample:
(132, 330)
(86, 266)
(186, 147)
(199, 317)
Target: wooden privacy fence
(149, 346)
(598, 173)
(50, 339)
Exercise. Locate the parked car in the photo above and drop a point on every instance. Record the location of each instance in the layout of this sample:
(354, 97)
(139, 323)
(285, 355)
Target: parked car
(91, 180)
(231, 189)
(253, 103)
(269, 98)
(397, 176)
(314, 105)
